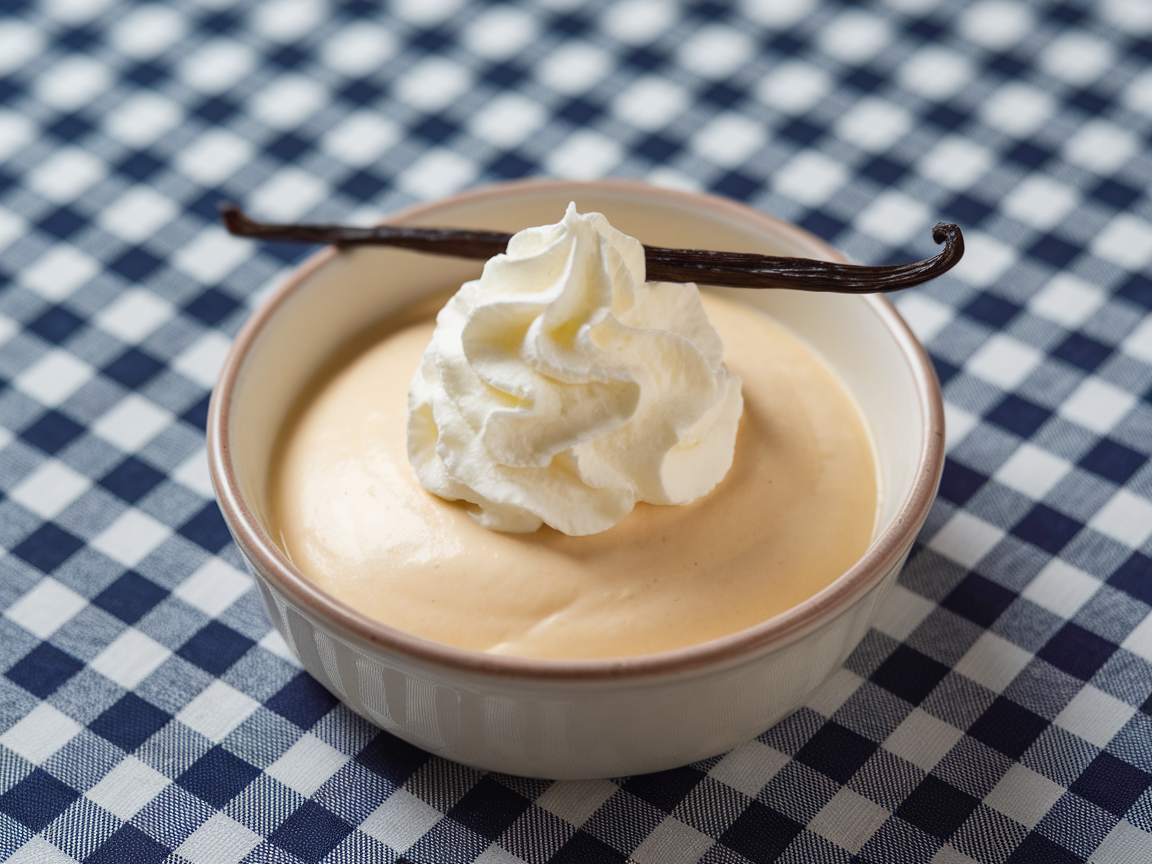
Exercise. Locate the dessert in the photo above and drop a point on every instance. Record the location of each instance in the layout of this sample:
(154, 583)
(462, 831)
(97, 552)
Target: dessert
(796, 509)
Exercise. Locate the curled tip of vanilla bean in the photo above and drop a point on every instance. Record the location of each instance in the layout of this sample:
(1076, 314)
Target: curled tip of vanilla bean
(731, 269)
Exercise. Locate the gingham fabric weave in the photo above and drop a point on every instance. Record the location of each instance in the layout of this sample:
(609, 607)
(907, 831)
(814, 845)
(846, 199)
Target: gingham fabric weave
(1000, 710)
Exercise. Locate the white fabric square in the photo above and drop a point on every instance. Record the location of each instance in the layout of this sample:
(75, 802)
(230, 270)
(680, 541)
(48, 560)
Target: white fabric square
(11, 227)
(508, 120)
(1018, 109)
(749, 767)
(307, 765)
(925, 316)
(1040, 201)
(8, 329)
(214, 587)
(778, 13)
(854, 36)
(212, 255)
(955, 162)
(957, 424)
(1024, 795)
(75, 12)
(996, 24)
(202, 360)
(400, 821)
(935, 72)
(40, 851)
(289, 194)
(901, 613)
(1126, 517)
(1094, 716)
(650, 103)
(132, 423)
(575, 801)
(1139, 641)
(810, 177)
(848, 820)
(217, 711)
(716, 51)
(138, 214)
(993, 662)
(148, 31)
(213, 157)
(288, 101)
(360, 138)
(49, 489)
(893, 217)
(130, 658)
(54, 377)
(1061, 588)
(134, 315)
(873, 124)
(673, 842)
(40, 734)
(126, 789)
(1032, 471)
(19, 43)
(1134, 16)
(728, 139)
(1138, 343)
(220, 840)
(425, 12)
(1067, 300)
(131, 538)
(142, 119)
(59, 272)
(1097, 405)
(433, 84)
(574, 67)
(437, 173)
(16, 132)
(274, 643)
(358, 49)
(66, 174)
(966, 539)
(834, 692)
(1101, 146)
(193, 473)
(1138, 94)
(1126, 241)
(217, 65)
(46, 608)
(1076, 57)
(985, 259)
(637, 22)
(922, 739)
(499, 33)
(584, 155)
(1125, 843)
(288, 20)
(793, 87)
(1004, 361)
(72, 82)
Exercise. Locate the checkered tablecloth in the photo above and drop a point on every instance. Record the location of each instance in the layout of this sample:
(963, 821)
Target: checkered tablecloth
(998, 711)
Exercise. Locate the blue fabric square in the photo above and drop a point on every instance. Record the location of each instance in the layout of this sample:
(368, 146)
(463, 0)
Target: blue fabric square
(1112, 784)
(1029, 155)
(967, 210)
(583, 848)
(736, 184)
(802, 132)
(489, 808)
(43, 670)
(218, 776)
(959, 483)
(215, 648)
(909, 674)
(37, 800)
(133, 368)
(211, 306)
(216, 110)
(129, 843)
(579, 111)
(760, 834)
(391, 758)
(132, 479)
(1113, 461)
(1038, 849)
(207, 529)
(978, 599)
(62, 223)
(657, 147)
(135, 264)
(130, 597)
(197, 415)
(1008, 727)
(303, 700)
(1077, 651)
(311, 832)
(288, 147)
(1082, 352)
(364, 185)
(1054, 251)
(666, 789)
(1047, 528)
(1134, 577)
(52, 432)
(836, 751)
(140, 166)
(822, 225)
(946, 116)
(48, 547)
(1138, 289)
(130, 722)
(992, 310)
(937, 808)
(56, 325)
(883, 170)
(436, 130)
(1019, 416)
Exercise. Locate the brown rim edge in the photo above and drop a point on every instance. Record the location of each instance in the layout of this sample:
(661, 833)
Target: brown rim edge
(776, 632)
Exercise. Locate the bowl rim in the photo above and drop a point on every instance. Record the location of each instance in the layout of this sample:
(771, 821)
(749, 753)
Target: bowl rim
(774, 633)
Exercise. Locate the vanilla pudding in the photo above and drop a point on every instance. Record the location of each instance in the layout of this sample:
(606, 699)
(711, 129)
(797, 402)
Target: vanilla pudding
(796, 509)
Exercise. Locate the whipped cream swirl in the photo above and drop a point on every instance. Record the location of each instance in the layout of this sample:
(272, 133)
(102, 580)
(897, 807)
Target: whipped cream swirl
(561, 387)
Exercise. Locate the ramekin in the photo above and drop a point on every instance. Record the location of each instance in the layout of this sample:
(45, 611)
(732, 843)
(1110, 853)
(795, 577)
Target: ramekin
(571, 718)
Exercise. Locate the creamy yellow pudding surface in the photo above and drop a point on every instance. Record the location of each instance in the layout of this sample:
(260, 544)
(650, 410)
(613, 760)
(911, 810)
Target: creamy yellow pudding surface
(794, 512)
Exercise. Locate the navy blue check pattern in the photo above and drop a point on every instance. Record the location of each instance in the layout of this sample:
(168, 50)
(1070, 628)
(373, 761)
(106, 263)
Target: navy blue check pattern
(1000, 709)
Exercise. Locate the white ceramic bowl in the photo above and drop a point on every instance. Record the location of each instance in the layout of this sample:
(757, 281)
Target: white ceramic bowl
(571, 718)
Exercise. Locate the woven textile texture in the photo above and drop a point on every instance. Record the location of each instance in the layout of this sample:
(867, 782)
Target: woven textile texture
(1000, 710)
